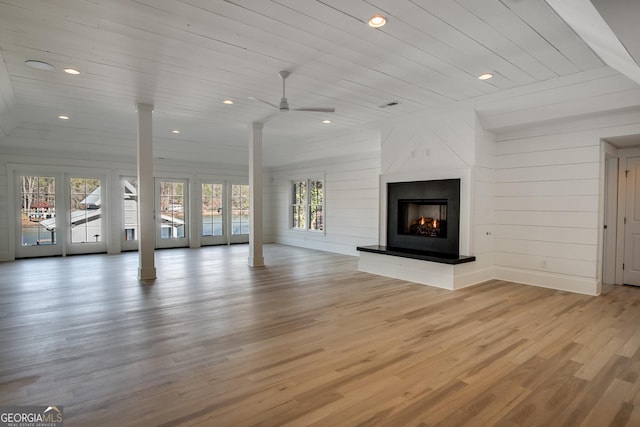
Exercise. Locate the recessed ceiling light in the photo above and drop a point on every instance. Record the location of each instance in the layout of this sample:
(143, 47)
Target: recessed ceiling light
(377, 21)
(39, 65)
(227, 101)
(326, 121)
(485, 76)
(71, 71)
(175, 131)
(63, 117)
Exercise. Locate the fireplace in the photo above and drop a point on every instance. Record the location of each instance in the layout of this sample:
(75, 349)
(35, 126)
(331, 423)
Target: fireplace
(424, 216)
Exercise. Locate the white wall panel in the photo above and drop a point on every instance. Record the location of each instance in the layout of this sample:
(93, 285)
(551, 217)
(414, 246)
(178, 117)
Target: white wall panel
(547, 249)
(575, 187)
(547, 219)
(548, 203)
(548, 173)
(583, 236)
(548, 198)
(550, 157)
(570, 267)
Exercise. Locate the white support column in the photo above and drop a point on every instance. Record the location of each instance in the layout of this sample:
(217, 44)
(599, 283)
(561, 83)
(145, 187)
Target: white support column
(146, 214)
(255, 185)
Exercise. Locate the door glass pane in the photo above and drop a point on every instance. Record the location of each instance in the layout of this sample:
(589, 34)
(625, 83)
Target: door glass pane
(130, 208)
(38, 210)
(172, 210)
(212, 210)
(85, 216)
(239, 209)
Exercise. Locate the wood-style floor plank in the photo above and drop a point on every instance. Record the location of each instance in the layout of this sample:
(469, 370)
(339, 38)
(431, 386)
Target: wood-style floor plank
(308, 341)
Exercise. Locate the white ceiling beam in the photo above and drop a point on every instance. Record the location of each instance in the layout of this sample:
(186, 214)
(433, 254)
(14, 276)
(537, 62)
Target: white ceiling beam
(583, 17)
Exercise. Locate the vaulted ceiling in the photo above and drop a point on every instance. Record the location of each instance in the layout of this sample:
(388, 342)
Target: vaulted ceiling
(186, 56)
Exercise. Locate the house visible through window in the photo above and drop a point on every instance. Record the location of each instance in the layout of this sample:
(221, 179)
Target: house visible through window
(85, 216)
(38, 210)
(130, 208)
(307, 205)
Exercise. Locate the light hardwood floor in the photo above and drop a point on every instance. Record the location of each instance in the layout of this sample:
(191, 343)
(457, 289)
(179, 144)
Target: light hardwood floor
(308, 341)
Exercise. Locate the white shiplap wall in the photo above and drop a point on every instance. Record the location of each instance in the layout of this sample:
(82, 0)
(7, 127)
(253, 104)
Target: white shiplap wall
(351, 203)
(431, 146)
(548, 197)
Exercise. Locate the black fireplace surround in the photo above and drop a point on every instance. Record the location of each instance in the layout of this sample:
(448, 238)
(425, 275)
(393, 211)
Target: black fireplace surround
(424, 216)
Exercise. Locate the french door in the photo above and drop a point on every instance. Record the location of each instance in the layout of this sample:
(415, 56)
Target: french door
(59, 214)
(86, 215)
(172, 213)
(36, 231)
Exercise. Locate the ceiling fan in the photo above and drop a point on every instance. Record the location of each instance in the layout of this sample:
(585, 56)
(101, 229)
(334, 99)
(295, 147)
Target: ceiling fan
(284, 104)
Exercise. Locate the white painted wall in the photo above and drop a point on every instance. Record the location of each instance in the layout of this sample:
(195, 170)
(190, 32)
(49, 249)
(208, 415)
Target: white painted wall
(549, 194)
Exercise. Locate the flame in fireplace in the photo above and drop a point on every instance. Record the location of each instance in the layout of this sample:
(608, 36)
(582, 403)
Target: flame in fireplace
(426, 222)
(424, 226)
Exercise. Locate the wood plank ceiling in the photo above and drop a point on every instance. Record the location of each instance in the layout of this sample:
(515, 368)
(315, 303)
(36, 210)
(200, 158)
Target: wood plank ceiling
(185, 57)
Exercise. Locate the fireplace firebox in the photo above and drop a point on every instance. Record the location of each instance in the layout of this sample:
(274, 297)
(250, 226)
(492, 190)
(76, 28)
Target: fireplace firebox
(424, 216)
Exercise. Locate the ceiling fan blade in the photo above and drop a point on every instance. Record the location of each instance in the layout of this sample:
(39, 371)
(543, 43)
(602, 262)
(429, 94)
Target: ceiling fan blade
(316, 109)
(264, 102)
(284, 104)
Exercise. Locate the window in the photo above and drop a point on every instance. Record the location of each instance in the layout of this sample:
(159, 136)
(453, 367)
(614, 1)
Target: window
(316, 202)
(239, 209)
(299, 207)
(38, 210)
(212, 210)
(172, 209)
(130, 208)
(85, 216)
(307, 205)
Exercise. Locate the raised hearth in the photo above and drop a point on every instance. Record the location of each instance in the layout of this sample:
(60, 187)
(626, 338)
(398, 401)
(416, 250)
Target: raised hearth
(416, 254)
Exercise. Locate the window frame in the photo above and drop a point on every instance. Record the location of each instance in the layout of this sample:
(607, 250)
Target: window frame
(307, 205)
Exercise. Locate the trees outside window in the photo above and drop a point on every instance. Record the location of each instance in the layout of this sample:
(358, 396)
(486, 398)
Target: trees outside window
(239, 209)
(212, 223)
(307, 205)
(298, 207)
